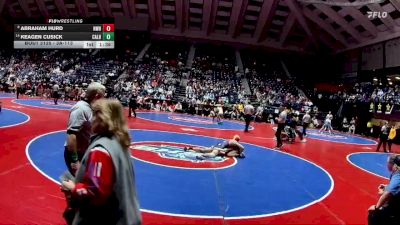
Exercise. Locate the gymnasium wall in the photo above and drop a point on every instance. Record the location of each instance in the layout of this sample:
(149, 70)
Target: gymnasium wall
(372, 57)
(392, 53)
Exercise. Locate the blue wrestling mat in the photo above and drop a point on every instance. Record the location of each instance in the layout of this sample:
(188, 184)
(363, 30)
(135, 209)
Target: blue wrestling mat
(340, 138)
(174, 182)
(10, 118)
(371, 162)
(7, 95)
(192, 121)
(45, 104)
(337, 137)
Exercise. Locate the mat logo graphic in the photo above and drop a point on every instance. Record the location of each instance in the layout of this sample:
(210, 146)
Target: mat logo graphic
(177, 153)
(174, 155)
(191, 120)
(333, 136)
(59, 104)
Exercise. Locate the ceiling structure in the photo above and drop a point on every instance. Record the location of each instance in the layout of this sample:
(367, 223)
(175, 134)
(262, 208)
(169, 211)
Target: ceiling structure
(279, 24)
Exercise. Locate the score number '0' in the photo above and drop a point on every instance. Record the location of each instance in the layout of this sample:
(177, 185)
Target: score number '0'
(108, 27)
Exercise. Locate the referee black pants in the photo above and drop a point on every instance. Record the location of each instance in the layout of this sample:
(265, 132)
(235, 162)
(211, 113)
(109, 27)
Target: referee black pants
(68, 159)
(132, 110)
(305, 126)
(247, 119)
(382, 140)
(278, 133)
(55, 97)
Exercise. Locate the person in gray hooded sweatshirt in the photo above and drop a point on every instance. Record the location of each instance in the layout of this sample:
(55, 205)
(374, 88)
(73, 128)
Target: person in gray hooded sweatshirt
(104, 191)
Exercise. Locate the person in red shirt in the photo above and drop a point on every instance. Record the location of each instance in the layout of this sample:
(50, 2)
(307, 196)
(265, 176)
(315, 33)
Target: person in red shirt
(104, 189)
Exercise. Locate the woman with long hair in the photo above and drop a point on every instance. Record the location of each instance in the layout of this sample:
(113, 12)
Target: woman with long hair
(104, 191)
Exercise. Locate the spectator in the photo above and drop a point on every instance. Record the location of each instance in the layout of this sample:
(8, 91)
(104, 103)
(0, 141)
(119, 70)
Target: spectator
(392, 137)
(383, 136)
(345, 125)
(248, 115)
(78, 135)
(385, 211)
(306, 123)
(109, 195)
(352, 128)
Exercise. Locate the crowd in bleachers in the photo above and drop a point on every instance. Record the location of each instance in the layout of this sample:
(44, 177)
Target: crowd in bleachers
(156, 76)
(34, 72)
(213, 77)
(270, 84)
(363, 92)
(154, 79)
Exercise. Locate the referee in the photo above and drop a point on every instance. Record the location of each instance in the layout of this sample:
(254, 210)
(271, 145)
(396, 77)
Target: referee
(306, 123)
(248, 115)
(56, 95)
(281, 125)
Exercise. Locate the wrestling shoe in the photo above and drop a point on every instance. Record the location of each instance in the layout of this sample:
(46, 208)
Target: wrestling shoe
(199, 157)
(187, 148)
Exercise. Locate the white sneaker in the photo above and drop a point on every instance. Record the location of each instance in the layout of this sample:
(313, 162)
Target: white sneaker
(303, 141)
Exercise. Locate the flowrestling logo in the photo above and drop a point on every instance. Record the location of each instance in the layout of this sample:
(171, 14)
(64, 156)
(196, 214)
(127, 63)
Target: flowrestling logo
(174, 155)
(375, 14)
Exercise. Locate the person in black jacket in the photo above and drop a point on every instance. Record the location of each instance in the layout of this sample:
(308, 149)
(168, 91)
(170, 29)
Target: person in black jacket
(132, 106)
(383, 137)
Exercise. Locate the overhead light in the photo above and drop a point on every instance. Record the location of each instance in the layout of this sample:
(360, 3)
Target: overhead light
(388, 79)
(380, 83)
(397, 78)
(390, 83)
(375, 79)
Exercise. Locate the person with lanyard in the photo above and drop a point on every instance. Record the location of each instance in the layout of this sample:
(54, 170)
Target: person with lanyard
(306, 123)
(79, 132)
(281, 126)
(386, 210)
(383, 137)
(392, 137)
(248, 115)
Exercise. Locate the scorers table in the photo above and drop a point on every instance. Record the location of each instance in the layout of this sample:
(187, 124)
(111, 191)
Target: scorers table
(64, 34)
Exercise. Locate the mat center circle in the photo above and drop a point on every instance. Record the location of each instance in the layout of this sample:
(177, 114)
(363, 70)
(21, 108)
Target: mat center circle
(252, 188)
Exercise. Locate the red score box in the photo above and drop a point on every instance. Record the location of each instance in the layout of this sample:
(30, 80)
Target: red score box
(108, 27)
